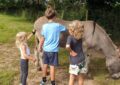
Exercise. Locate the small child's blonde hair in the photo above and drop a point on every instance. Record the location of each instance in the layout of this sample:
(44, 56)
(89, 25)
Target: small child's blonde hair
(21, 38)
(77, 29)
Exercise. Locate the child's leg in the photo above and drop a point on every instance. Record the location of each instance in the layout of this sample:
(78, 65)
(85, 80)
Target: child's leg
(45, 66)
(53, 58)
(52, 73)
(81, 79)
(71, 79)
(24, 71)
(41, 60)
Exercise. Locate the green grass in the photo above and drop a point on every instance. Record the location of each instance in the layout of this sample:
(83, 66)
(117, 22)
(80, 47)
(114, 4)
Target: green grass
(100, 72)
(10, 25)
(7, 77)
(63, 57)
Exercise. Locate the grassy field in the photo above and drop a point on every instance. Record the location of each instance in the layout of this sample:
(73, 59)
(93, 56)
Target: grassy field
(9, 26)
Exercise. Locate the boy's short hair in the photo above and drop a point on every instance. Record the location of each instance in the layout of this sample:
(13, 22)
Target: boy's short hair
(50, 13)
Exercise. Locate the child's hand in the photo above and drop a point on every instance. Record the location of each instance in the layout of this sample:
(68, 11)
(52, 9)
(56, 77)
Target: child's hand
(33, 31)
(72, 53)
(34, 59)
(39, 49)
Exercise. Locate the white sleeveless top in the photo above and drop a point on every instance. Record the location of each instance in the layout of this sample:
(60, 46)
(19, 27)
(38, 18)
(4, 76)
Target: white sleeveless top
(27, 52)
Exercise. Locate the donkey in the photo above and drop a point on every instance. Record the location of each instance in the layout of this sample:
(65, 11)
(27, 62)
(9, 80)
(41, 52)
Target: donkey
(94, 37)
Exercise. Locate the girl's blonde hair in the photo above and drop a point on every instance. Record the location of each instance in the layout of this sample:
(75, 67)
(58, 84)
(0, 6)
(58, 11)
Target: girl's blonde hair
(76, 29)
(21, 38)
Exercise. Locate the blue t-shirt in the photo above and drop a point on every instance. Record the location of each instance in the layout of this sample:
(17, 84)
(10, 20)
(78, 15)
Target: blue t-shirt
(51, 33)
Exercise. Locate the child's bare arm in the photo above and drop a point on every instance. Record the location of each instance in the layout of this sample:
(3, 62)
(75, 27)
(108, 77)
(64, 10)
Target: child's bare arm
(25, 54)
(30, 35)
(41, 43)
(30, 57)
(72, 53)
(68, 47)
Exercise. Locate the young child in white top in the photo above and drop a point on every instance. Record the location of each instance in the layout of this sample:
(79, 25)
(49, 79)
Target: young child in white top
(21, 43)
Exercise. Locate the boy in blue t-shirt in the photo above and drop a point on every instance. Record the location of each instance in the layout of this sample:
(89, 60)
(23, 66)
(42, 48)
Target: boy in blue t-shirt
(50, 44)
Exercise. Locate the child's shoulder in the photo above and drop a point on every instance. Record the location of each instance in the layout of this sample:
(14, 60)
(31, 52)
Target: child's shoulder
(24, 45)
(46, 25)
(70, 38)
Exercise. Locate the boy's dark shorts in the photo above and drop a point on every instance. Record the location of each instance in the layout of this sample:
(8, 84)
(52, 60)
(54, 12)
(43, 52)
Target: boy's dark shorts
(50, 58)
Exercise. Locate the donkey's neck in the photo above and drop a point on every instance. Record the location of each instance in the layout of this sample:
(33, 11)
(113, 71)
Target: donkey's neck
(106, 44)
(108, 49)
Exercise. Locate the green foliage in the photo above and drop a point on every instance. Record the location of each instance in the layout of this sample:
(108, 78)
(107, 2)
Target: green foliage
(63, 57)
(34, 8)
(75, 14)
(107, 16)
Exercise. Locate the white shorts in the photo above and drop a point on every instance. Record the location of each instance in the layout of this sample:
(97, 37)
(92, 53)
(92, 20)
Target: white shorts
(74, 69)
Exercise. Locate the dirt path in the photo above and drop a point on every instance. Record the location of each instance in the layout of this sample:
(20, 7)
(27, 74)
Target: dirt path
(9, 59)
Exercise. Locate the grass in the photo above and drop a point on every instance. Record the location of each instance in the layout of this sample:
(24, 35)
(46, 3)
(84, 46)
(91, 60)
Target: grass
(63, 57)
(7, 77)
(100, 72)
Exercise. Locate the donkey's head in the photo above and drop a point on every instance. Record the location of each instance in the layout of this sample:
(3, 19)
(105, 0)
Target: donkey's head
(113, 64)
